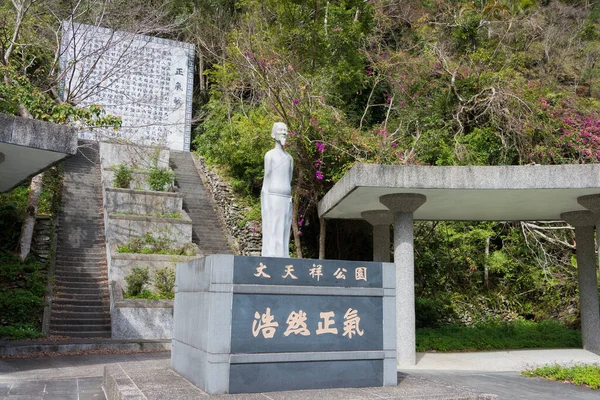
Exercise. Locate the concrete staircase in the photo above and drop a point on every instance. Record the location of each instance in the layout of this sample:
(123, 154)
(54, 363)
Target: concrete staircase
(80, 303)
(207, 231)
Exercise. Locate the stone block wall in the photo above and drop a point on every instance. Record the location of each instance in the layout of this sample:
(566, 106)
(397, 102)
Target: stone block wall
(121, 264)
(121, 228)
(134, 319)
(141, 202)
(130, 213)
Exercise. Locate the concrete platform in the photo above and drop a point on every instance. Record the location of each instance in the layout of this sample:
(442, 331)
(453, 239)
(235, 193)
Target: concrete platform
(497, 361)
(157, 381)
(12, 348)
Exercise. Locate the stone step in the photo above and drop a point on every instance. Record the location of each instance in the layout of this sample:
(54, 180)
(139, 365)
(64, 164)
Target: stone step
(72, 265)
(67, 319)
(95, 246)
(79, 283)
(98, 295)
(80, 328)
(73, 256)
(75, 275)
(95, 334)
(98, 291)
(81, 270)
(74, 302)
(58, 308)
(91, 248)
(61, 314)
(89, 222)
(83, 262)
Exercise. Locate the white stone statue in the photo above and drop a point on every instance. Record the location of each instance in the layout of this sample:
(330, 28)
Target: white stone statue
(276, 197)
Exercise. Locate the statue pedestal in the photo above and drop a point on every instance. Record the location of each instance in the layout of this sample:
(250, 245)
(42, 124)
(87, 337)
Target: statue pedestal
(259, 324)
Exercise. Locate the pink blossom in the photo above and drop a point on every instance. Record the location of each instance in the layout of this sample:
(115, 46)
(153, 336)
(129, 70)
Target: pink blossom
(319, 175)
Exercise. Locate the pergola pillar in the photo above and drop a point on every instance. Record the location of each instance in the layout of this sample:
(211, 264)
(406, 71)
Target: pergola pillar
(584, 223)
(381, 221)
(403, 205)
(592, 203)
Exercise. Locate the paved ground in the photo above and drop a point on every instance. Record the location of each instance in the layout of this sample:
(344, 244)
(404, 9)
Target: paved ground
(80, 377)
(512, 360)
(62, 377)
(509, 385)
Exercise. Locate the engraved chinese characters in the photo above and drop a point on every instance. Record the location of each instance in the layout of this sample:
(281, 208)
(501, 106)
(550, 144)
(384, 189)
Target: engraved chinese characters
(276, 197)
(145, 80)
(315, 272)
(266, 324)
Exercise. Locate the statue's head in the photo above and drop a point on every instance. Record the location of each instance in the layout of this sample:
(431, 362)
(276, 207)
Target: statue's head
(279, 132)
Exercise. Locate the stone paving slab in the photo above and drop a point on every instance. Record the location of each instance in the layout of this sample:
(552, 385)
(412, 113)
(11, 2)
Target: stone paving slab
(511, 385)
(508, 360)
(65, 389)
(156, 381)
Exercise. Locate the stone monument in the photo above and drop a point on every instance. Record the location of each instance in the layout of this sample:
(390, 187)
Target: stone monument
(145, 80)
(276, 197)
(263, 324)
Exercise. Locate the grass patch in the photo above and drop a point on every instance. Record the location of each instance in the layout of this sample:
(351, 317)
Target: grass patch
(498, 335)
(147, 294)
(149, 244)
(582, 375)
(174, 215)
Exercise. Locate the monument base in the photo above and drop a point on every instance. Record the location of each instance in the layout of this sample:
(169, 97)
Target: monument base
(260, 324)
(154, 380)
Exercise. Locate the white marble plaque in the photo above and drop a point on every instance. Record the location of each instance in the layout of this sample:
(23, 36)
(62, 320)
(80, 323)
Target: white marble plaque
(145, 80)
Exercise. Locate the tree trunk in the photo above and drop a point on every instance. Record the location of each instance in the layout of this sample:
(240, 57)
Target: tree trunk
(32, 204)
(295, 229)
(322, 235)
(485, 268)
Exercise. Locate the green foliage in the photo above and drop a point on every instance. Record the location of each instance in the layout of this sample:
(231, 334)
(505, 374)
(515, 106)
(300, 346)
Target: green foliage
(16, 89)
(581, 375)
(123, 177)
(136, 280)
(238, 145)
(156, 244)
(19, 305)
(164, 281)
(431, 313)
(160, 179)
(20, 331)
(50, 197)
(498, 335)
(147, 294)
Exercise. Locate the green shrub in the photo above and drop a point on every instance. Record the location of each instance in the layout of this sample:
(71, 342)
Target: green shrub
(492, 335)
(20, 331)
(147, 294)
(123, 177)
(588, 375)
(160, 179)
(164, 281)
(136, 281)
(19, 306)
(431, 313)
(161, 244)
(10, 226)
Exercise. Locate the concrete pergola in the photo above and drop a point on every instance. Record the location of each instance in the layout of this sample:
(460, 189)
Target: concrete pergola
(383, 195)
(29, 146)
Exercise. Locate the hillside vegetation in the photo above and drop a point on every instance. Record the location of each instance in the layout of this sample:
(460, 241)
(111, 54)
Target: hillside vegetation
(431, 82)
(418, 83)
